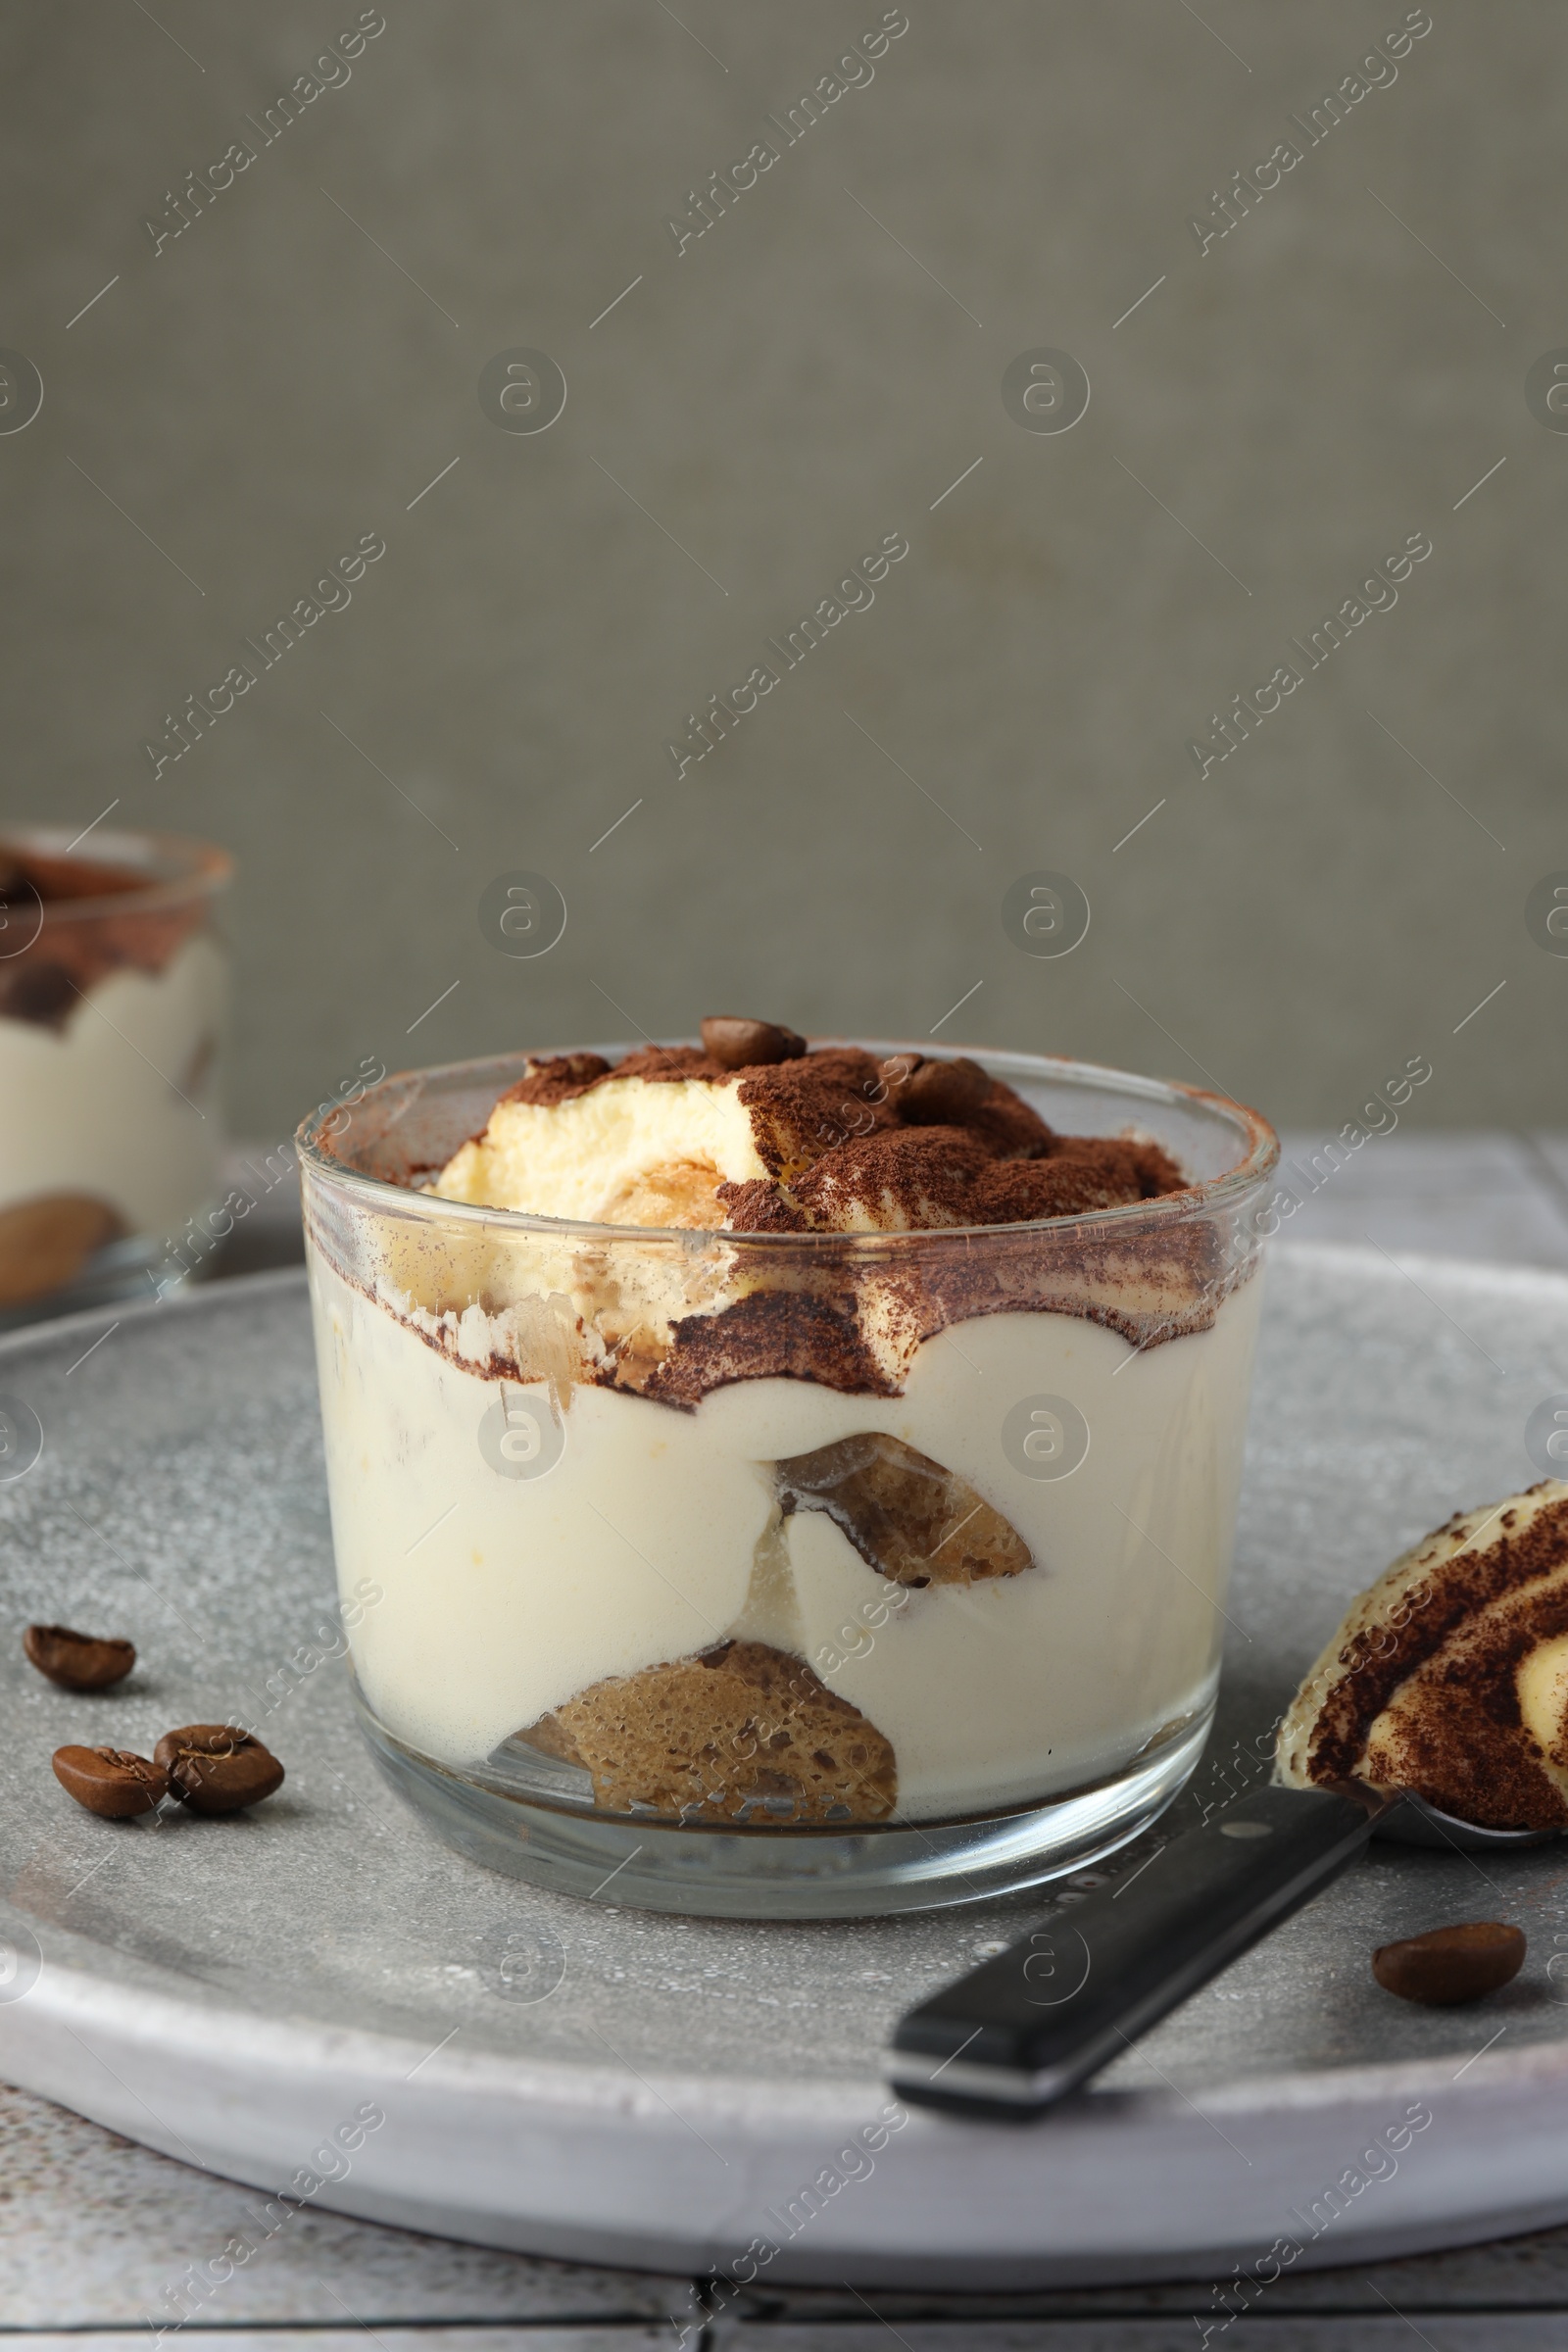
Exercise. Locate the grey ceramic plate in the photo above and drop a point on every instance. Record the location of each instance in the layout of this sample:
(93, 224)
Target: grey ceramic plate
(569, 2080)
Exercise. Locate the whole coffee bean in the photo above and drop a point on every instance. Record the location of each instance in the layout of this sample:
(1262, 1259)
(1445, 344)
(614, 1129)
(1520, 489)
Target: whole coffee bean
(110, 1781)
(78, 1661)
(942, 1093)
(740, 1045)
(1448, 1965)
(216, 1769)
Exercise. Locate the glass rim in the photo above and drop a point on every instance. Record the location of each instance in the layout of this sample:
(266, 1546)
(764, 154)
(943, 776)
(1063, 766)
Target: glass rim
(1260, 1158)
(178, 867)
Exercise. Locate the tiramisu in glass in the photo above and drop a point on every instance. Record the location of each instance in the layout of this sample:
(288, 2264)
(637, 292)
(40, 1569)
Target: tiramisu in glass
(113, 992)
(799, 1480)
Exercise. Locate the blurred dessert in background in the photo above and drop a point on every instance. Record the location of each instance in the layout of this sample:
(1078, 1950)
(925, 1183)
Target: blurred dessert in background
(112, 998)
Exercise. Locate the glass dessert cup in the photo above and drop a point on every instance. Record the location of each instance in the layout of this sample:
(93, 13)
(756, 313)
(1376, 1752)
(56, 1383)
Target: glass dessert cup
(774, 1574)
(113, 997)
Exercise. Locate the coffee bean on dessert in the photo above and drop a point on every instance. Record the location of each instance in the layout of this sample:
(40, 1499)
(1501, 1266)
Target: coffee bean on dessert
(216, 1769)
(1448, 1965)
(942, 1093)
(110, 1781)
(739, 1045)
(40, 992)
(78, 1661)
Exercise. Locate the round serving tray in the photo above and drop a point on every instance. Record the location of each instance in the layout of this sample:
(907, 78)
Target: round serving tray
(560, 2076)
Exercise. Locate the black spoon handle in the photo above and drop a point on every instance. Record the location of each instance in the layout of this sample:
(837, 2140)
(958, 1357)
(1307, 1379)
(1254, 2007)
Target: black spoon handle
(1021, 2030)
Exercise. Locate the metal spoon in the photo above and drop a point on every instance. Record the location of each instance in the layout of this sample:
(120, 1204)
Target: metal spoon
(1411, 1820)
(1020, 2031)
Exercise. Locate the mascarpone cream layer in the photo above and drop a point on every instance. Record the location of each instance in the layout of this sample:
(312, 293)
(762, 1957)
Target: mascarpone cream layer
(656, 1533)
(586, 1158)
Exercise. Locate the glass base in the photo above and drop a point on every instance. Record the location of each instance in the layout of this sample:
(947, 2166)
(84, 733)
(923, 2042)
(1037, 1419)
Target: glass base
(495, 1815)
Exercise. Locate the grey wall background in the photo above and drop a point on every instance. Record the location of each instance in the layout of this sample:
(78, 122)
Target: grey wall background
(282, 377)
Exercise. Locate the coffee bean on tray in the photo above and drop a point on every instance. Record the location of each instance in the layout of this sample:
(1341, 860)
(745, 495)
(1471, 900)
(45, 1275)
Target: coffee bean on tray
(1450, 1965)
(216, 1769)
(110, 1781)
(78, 1661)
(739, 1045)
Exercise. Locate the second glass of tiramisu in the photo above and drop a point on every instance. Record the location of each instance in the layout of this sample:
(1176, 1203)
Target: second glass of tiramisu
(781, 1480)
(114, 991)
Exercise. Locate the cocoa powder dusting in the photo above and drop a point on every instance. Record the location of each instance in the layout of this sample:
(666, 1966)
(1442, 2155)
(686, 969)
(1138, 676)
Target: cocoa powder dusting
(556, 1078)
(855, 1146)
(772, 1335)
(848, 1146)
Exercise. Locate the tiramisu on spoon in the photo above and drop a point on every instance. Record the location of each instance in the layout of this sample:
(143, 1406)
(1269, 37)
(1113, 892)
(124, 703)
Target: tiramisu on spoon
(1447, 1679)
(1437, 1715)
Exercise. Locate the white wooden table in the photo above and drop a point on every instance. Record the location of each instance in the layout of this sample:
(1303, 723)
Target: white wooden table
(94, 2228)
